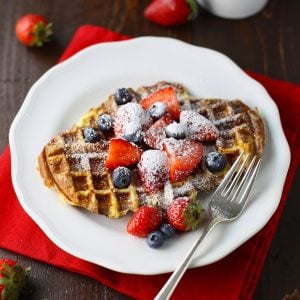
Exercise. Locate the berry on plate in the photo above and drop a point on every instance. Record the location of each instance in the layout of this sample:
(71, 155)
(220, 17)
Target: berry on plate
(176, 131)
(12, 279)
(132, 133)
(167, 230)
(156, 134)
(91, 135)
(215, 161)
(198, 127)
(122, 153)
(171, 12)
(167, 96)
(105, 122)
(185, 214)
(155, 239)
(153, 170)
(123, 96)
(158, 110)
(132, 117)
(184, 157)
(145, 220)
(121, 177)
(33, 30)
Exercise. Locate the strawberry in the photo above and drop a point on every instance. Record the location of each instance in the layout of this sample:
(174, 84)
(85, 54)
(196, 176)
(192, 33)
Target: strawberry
(171, 12)
(156, 134)
(153, 170)
(184, 156)
(12, 279)
(33, 30)
(122, 153)
(144, 220)
(166, 95)
(131, 116)
(184, 214)
(198, 127)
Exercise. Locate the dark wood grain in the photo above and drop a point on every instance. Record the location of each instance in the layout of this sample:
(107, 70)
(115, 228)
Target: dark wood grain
(268, 43)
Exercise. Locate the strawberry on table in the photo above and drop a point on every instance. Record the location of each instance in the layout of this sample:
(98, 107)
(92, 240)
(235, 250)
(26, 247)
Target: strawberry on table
(153, 170)
(33, 30)
(185, 214)
(171, 12)
(184, 157)
(156, 134)
(144, 220)
(122, 153)
(167, 96)
(12, 279)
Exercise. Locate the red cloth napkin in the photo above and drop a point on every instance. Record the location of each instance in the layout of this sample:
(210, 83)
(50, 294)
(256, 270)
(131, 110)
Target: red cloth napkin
(234, 277)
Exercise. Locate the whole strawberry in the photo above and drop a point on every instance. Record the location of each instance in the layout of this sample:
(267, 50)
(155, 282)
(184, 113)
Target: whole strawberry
(144, 220)
(184, 214)
(33, 30)
(171, 12)
(12, 279)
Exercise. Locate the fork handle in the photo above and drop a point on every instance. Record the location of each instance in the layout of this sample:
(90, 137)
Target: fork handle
(167, 290)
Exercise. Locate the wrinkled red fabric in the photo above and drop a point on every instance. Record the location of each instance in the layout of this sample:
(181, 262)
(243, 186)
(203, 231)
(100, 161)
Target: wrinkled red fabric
(234, 277)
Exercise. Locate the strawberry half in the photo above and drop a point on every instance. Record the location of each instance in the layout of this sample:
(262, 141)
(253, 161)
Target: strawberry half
(166, 95)
(144, 220)
(122, 153)
(185, 214)
(156, 134)
(198, 127)
(153, 170)
(12, 279)
(184, 156)
(171, 12)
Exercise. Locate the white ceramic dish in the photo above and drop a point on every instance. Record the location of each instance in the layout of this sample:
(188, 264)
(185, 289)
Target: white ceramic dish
(65, 92)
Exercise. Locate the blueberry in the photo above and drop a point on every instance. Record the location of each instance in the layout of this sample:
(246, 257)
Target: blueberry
(105, 122)
(157, 110)
(132, 134)
(91, 135)
(167, 230)
(121, 177)
(123, 96)
(175, 130)
(215, 161)
(155, 239)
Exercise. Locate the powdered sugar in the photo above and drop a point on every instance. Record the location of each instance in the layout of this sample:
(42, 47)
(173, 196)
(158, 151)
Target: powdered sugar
(133, 116)
(153, 169)
(197, 126)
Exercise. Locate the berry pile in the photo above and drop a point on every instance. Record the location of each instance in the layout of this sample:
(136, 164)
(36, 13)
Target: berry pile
(164, 144)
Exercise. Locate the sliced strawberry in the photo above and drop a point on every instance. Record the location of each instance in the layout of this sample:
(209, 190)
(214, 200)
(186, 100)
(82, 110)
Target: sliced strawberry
(144, 220)
(122, 153)
(156, 134)
(153, 170)
(166, 95)
(184, 156)
(198, 127)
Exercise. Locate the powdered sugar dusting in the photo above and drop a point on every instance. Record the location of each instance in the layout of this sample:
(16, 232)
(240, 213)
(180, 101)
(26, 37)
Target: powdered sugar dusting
(133, 116)
(153, 169)
(197, 125)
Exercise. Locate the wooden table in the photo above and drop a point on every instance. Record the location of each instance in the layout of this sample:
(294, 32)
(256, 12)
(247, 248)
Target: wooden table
(268, 43)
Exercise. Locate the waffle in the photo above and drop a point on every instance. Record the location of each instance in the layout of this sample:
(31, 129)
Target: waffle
(76, 169)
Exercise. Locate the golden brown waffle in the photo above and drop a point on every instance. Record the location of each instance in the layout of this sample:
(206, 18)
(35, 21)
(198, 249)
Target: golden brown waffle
(76, 169)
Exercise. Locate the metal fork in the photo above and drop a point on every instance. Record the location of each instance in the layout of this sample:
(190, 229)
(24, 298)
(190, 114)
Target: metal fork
(226, 204)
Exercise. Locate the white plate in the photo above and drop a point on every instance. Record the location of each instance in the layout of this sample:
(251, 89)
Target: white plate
(65, 92)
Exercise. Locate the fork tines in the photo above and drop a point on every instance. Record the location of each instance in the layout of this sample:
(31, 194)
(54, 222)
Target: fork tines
(239, 178)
